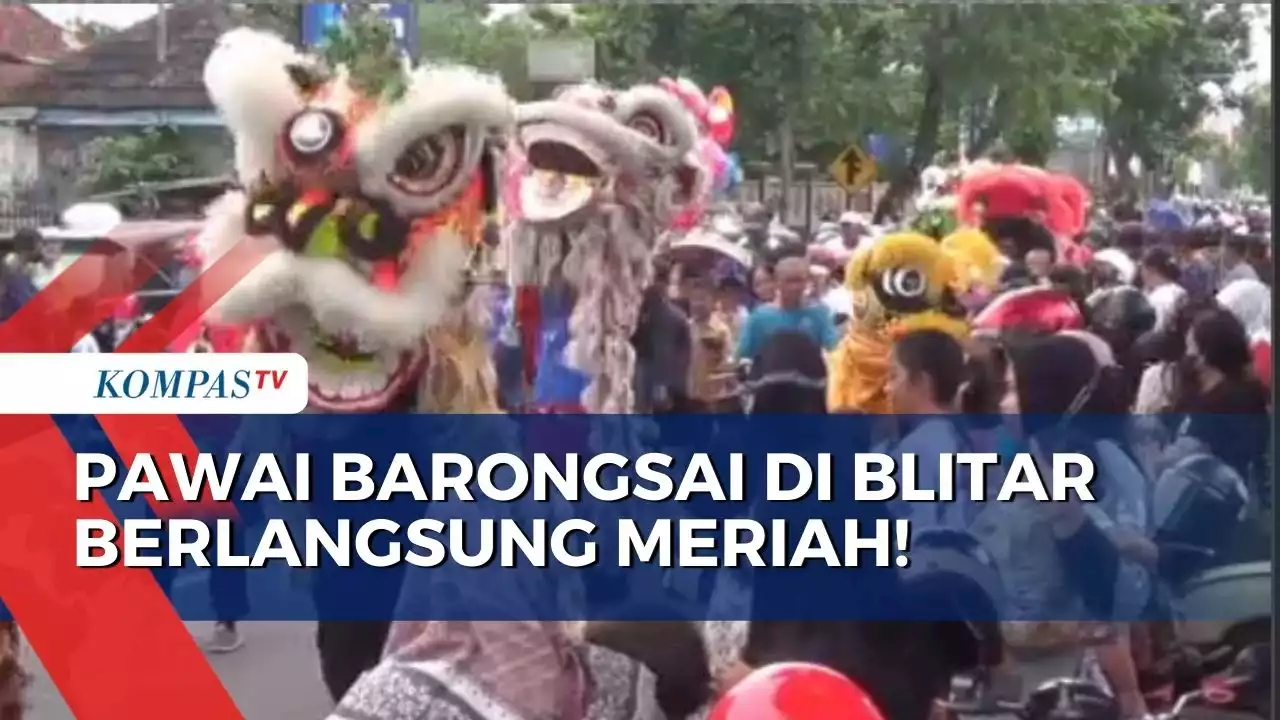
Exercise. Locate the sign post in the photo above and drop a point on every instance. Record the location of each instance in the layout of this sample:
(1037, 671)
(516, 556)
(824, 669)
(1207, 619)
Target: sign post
(557, 61)
(317, 18)
(853, 169)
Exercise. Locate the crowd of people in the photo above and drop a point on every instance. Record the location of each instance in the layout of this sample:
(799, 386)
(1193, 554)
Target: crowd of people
(1176, 327)
(1019, 331)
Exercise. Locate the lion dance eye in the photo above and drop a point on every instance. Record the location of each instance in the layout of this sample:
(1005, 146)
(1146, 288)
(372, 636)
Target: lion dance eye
(903, 283)
(648, 126)
(430, 163)
(314, 133)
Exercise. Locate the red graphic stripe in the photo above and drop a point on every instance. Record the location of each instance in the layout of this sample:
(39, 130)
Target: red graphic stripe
(108, 637)
(73, 304)
(78, 299)
(163, 435)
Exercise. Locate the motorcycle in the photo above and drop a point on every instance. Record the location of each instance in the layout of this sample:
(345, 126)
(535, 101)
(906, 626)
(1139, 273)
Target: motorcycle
(1244, 686)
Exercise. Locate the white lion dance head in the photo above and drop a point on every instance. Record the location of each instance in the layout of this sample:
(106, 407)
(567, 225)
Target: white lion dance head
(598, 175)
(369, 203)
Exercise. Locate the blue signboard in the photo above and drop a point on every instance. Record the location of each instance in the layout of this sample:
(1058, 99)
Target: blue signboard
(317, 18)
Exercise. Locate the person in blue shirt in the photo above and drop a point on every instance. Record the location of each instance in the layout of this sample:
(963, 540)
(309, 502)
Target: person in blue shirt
(16, 284)
(791, 310)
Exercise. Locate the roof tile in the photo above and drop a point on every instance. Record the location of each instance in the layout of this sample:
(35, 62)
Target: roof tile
(123, 71)
(26, 33)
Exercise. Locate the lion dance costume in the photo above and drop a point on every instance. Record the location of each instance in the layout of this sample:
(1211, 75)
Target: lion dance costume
(1024, 208)
(369, 209)
(595, 179)
(367, 203)
(900, 283)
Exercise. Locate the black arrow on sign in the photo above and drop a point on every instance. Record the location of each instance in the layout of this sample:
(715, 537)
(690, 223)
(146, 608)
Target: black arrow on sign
(852, 163)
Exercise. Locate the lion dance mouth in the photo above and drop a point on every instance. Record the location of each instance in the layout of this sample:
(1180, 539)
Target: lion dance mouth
(596, 176)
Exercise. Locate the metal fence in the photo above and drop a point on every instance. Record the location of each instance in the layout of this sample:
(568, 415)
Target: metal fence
(26, 207)
(810, 201)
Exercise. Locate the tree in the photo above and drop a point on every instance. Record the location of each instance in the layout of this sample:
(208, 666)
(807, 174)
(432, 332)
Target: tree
(1001, 75)
(365, 44)
(1156, 100)
(157, 154)
(931, 77)
(791, 69)
(87, 32)
(467, 33)
(1256, 142)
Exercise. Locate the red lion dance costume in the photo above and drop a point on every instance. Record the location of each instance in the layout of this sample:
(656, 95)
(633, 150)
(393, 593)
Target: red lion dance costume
(1023, 208)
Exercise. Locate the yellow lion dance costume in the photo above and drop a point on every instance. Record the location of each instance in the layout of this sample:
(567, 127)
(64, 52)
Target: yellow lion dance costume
(900, 283)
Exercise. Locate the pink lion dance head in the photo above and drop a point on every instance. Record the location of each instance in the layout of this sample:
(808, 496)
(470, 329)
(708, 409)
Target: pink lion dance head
(715, 117)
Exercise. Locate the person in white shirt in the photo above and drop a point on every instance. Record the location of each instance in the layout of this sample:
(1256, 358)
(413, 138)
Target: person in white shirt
(853, 227)
(1159, 273)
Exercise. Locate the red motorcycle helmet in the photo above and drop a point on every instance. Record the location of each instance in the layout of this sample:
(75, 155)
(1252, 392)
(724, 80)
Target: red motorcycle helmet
(795, 691)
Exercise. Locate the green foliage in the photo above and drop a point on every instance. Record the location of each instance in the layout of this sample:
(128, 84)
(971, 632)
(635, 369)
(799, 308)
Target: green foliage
(464, 33)
(848, 70)
(934, 77)
(1257, 143)
(365, 44)
(1156, 102)
(157, 154)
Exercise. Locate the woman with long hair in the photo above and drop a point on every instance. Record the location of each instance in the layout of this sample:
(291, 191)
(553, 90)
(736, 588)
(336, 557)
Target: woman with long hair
(1218, 380)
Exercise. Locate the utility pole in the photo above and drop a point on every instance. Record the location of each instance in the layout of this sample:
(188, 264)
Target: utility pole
(162, 32)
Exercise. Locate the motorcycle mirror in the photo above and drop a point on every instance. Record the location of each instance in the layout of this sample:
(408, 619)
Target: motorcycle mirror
(1251, 666)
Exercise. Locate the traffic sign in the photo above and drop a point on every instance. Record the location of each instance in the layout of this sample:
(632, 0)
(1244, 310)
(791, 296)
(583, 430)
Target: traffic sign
(853, 169)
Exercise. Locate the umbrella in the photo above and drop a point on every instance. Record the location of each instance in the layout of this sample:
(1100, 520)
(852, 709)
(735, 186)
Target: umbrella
(1163, 215)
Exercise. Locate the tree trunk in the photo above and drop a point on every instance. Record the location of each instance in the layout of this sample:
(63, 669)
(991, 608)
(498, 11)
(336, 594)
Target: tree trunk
(1125, 185)
(787, 154)
(996, 120)
(925, 145)
(922, 150)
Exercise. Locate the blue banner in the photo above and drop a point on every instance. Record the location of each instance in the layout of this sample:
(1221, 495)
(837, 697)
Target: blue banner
(317, 18)
(721, 517)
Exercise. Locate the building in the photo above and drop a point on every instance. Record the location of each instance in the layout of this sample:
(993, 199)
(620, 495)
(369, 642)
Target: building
(143, 76)
(28, 40)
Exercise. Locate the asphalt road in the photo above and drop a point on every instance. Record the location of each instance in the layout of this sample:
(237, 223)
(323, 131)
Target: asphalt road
(274, 676)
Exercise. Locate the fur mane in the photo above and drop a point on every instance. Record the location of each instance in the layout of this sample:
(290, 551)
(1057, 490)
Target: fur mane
(596, 237)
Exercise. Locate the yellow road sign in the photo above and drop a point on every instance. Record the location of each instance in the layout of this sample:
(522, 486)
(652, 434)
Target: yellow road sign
(853, 169)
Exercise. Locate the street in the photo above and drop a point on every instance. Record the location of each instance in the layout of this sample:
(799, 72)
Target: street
(275, 676)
